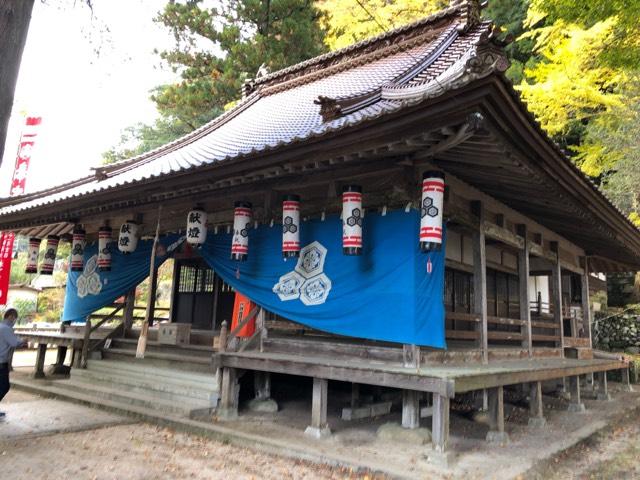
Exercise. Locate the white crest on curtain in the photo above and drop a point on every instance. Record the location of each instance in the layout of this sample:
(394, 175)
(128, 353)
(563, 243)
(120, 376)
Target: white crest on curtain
(308, 281)
(88, 282)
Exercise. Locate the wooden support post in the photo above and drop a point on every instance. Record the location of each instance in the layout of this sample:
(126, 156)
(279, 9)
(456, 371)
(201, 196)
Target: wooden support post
(153, 293)
(229, 394)
(536, 407)
(59, 367)
(603, 389)
(411, 356)
(355, 395)
(261, 326)
(410, 409)
(262, 385)
(319, 427)
(85, 344)
(42, 352)
(440, 430)
(153, 287)
(480, 280)
(127, 315)
(626, 381)
(523, 279)
(586, 304)
(496, 432)
(575, 403)
(556, 282)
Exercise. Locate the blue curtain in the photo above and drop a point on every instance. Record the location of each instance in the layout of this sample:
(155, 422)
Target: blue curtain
(90, 290)
(392, 292)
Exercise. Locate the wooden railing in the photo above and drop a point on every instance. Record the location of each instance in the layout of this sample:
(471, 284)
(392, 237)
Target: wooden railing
(229, 341)
(87, 347)
(466, 328)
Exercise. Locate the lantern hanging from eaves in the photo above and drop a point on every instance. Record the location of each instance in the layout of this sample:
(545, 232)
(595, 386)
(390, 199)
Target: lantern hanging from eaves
(197, 226)
(77, 249)
(128, 237)
(104, 249)
(49, 260)
(352, 217)
(431, 211)
(291, 226)
(32, 255)
(241, 227)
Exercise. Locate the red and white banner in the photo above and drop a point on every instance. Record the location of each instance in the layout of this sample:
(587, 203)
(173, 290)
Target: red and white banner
(27, 139)
(18, 183)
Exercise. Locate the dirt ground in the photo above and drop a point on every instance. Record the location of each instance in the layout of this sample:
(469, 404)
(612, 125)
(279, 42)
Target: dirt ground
(102, 446)
(612, 454)
(138, 452)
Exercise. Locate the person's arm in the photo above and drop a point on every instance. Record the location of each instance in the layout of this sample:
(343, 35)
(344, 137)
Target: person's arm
(12, 339)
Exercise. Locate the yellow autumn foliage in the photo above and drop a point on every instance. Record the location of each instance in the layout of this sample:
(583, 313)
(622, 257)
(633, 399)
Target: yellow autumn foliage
(347, 22)
(568, 86)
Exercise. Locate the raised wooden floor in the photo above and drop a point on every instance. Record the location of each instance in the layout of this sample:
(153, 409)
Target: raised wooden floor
(446, 380)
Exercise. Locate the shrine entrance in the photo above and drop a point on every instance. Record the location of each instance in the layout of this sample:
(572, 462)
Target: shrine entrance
(200, 297)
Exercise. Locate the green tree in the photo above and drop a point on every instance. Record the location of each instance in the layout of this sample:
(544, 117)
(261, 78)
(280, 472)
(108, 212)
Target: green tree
(623, 48)
(216, 49)
(510, 16)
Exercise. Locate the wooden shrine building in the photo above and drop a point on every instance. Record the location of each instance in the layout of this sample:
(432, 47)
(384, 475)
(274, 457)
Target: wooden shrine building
(525, 228)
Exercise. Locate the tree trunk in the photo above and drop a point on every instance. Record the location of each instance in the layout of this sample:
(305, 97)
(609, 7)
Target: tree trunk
(15, 16)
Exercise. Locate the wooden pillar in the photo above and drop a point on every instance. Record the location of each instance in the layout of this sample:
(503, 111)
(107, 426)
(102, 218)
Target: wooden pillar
(410, 409)
(586, 304)
(496, 432)
(480, 280)
(61, 355)
(411, 356)
(355, 395)
(440, 423)
(261, 325)
(523, 280)
(42, 352)
(536, 407)
(153, 291)
(556, 282)
(262, 385)
(127, 315)
(626, 381)
(229, 394)
(575, 403)
(59, 367)
(319, 427)
(603, 389)
(86, 341)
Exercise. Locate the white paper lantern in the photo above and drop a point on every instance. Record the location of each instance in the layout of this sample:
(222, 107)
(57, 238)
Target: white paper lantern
(431, 211)
(241, 227)
(352, 217)
(49, 260)
(32, 255)
(128, 237)
(77, 249)
(291, 226)
(197, 226)
(104, 250)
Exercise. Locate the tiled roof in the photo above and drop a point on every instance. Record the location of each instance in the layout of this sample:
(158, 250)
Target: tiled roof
(283, 106)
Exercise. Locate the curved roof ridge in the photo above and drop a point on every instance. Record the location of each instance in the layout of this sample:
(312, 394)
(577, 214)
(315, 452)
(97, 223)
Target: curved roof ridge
(341, 53)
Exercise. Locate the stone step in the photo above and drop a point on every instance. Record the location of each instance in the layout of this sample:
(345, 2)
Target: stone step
(155, 347)
(166, 388)
(149, 370)
(162, 360)
(186, 409)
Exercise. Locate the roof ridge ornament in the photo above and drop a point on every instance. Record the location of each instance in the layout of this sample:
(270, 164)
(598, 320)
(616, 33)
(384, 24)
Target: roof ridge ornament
(470, 12)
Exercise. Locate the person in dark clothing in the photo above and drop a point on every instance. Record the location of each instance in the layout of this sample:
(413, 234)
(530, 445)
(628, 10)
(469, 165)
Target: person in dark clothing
(8, 342)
